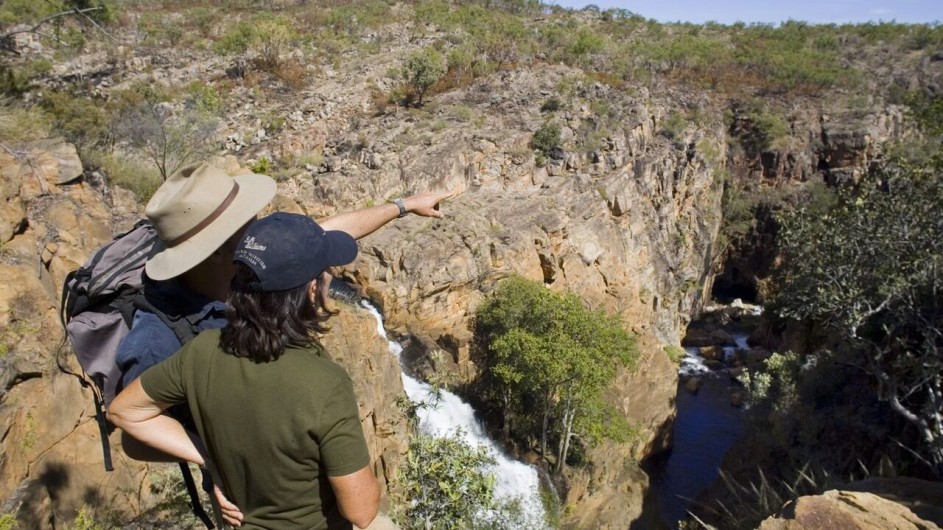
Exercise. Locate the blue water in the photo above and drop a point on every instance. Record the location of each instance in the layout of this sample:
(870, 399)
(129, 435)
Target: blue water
(705, 428)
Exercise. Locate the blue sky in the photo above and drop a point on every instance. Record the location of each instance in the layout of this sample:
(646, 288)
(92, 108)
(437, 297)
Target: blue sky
(773, 11)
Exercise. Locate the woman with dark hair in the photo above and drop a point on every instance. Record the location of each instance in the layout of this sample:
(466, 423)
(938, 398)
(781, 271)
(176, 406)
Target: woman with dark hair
(279, 419)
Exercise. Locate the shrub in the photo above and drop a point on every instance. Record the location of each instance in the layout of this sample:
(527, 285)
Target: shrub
(759, 128)
(80, 120)
(16, 80)
(204, 98)
(673, 125)
(236, 40)
(135, 176)
(927, 111)
(161, 29)
(271, 36)
(261, 166)
(169, 137)
(754, 500)
(504, 41)
(204, 19)
(267, 36)
(547, 138)
(20, 124)
(292, 73)
(585, 43)
(422, 70)
(675, 353)
(32, 12)
(85, 520)
(551, 104)
(444, 483)
(23, 11)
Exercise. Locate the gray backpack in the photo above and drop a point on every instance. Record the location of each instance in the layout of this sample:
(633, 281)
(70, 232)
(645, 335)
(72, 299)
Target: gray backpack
(97, 307)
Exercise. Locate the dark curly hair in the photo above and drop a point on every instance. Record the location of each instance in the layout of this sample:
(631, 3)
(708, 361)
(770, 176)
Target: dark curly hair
(263, 324)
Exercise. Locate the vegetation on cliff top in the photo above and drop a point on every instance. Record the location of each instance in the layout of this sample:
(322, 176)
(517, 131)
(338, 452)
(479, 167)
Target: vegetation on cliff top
(283, 42)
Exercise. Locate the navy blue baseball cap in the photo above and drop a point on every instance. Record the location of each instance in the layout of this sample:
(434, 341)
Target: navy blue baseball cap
(287, 250)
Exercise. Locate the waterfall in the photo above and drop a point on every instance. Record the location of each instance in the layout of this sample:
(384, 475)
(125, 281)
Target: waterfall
(513, 479)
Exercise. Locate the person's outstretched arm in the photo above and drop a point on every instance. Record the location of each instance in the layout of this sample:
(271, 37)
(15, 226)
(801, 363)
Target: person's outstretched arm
(361, 223)
(358, 496)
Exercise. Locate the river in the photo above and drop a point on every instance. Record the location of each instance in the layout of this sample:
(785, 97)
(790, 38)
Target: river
(705, 428)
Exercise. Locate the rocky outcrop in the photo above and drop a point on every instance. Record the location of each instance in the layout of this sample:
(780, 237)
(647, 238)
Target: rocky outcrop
(52, 455)
(353, 342)
(923, 497)
(52, 463)
(853, 510)
(836, 146)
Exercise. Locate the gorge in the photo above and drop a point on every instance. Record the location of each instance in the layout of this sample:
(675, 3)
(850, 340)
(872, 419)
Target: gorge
(656, 192)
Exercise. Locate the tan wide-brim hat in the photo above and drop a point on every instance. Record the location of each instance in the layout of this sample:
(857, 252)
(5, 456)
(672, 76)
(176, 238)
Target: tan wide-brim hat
(196, 210)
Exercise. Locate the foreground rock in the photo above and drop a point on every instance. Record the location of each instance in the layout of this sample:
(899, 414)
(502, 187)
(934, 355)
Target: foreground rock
(52, 464)
(848, 510)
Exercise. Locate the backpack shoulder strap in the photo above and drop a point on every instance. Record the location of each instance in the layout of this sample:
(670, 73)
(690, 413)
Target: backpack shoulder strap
(181, 325)
(184, 331)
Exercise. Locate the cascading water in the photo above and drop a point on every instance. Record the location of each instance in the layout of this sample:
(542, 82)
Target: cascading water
(450, 415)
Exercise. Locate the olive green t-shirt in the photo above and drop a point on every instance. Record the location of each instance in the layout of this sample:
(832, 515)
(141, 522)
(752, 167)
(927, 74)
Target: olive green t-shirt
(276, 430)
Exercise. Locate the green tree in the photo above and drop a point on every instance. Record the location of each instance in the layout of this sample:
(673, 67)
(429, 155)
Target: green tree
(871, 270)
(422, 70)
(81, 120)
(265, 37)
(546, 353)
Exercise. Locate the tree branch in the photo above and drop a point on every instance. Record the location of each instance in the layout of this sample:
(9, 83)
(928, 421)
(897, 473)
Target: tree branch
(81, 12)
(75, 11)
(912, 452)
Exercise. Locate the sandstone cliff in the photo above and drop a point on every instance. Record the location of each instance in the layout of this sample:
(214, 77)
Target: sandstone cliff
(629, 228)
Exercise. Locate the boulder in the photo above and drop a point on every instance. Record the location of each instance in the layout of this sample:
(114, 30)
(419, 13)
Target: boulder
(923, 497)
(712, 353)
(848, 510)
(701, 337)
(692, 385)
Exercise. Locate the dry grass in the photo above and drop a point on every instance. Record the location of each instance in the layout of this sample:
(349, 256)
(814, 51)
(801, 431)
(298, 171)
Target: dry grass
(292, 73)
(19, 124)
